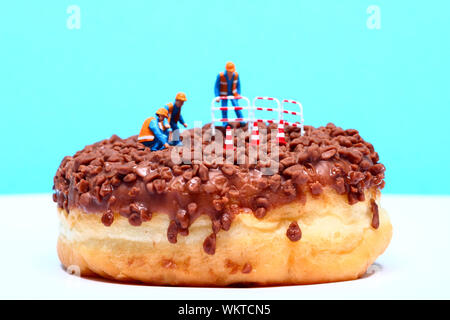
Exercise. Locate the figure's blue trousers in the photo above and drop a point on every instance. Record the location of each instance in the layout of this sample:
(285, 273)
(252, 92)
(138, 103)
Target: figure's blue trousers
(235, 103)
(154, 145)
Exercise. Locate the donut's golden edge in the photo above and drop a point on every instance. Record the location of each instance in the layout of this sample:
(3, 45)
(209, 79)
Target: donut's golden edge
(337, 244)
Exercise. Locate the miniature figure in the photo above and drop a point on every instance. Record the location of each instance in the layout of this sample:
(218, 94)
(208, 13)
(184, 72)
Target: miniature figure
(154, 133)
(229, 84)
(174, 110)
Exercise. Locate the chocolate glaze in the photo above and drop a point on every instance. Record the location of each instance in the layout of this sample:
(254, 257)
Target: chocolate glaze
(122, 176)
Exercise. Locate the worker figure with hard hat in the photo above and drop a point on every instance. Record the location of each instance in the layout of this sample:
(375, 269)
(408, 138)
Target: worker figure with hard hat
(228, 84)
(154, 132)
(174, 115)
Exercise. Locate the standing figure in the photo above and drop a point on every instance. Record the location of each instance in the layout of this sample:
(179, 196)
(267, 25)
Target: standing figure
(154, 133)
(228, 84)
(174, 110)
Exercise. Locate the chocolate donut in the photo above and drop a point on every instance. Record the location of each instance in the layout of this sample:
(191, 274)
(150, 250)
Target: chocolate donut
(130, 214)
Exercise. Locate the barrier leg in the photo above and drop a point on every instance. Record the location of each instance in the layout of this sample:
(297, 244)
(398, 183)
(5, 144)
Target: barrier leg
(280, 135)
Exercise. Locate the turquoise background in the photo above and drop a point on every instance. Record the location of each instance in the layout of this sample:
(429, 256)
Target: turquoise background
(62, 89)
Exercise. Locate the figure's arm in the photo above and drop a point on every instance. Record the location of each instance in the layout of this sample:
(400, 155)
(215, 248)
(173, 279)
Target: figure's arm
(157, 131)
(166, 125)
(181, 120)
(217, 86)
(238, 86)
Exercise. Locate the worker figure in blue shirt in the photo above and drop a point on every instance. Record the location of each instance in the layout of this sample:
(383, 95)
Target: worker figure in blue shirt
(174, 114)
(154, 133)
(228, 84)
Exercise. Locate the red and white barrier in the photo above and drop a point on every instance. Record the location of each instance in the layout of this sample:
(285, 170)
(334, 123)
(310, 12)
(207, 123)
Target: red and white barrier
(302, 130)
(229, 141)
(278, 109)
(293, 124)
(251, 118)
(214, 108)
(231, 119)
(280, 135)
(254, 138)
(263, 120)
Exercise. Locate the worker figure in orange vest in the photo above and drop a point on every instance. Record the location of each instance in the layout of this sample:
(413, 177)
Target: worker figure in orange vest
(228, 84)
(174, 110)
(154, 132)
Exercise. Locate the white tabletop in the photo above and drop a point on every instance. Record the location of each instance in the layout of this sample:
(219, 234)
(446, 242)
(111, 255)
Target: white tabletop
(415, 265)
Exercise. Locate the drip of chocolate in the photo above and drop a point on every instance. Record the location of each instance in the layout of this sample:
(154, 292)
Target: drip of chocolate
(122, 176)
(293, 232)
(375, 216)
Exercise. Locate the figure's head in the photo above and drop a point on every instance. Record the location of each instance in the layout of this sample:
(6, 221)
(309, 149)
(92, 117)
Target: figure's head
(162, 113)
(180, 99)
(230, 67)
